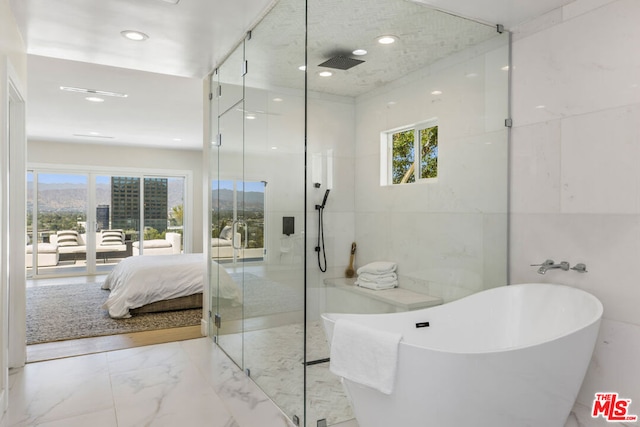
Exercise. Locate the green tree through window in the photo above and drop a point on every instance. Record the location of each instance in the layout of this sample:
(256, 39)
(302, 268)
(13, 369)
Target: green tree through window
(403, 157)
(403, 149)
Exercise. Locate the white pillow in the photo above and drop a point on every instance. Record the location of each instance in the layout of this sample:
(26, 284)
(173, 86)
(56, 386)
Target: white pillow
(67, 238)
(215, 242)
(157, 243)
(112, 237)
(226, 233)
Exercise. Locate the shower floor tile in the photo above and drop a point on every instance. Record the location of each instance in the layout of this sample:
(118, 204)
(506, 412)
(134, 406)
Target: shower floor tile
(274, 358)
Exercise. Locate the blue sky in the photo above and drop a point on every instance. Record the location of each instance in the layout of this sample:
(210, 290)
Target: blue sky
(249, 186)
(57, 178)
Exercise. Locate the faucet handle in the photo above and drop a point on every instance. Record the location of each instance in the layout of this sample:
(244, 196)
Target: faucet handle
(546, 263)
(580, 268)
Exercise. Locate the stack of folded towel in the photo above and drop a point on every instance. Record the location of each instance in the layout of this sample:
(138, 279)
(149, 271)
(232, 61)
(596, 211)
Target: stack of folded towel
(378, 275)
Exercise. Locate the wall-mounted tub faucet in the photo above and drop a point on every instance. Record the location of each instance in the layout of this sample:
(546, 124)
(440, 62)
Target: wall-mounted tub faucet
(550, 264)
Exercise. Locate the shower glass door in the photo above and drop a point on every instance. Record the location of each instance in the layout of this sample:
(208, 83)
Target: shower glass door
(227, 164)
(258, 149)
(274, 152)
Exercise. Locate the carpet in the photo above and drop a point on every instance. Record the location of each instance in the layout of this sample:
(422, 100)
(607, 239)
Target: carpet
(64, 312)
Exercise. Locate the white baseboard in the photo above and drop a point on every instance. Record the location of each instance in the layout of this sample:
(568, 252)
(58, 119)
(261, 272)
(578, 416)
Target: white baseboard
(204, 327)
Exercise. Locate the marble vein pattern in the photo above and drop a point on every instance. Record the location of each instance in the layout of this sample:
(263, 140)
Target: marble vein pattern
(275, 359)
(188, 383)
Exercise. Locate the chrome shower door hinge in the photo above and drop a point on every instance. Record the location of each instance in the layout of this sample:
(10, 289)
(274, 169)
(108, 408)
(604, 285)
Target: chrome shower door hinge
(508, 122)
(217, 320)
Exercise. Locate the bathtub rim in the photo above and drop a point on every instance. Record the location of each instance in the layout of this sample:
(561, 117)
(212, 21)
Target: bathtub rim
(333, 317)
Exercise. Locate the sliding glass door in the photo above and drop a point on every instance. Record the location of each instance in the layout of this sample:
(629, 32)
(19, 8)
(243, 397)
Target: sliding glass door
(57, 223)
(85, 223)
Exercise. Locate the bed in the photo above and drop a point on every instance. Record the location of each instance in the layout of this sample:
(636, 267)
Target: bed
(151, 283)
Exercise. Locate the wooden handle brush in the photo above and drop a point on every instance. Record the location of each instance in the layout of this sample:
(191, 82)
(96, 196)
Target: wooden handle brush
(350, 272)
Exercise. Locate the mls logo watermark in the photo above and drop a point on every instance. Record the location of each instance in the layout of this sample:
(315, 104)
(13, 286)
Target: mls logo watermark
(612, 408)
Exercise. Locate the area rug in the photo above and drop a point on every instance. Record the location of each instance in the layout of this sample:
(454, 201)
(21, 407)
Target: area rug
(64, 312)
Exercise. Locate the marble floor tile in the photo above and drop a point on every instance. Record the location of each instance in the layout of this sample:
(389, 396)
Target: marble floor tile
(145, 357)
(248, 404)
(59, 389)
(106, 418)
(275, 359)
(190, 383)
(166, 394)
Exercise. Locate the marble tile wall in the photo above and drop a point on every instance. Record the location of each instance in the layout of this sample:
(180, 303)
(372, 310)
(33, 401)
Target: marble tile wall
(448, 232)
(575, 181)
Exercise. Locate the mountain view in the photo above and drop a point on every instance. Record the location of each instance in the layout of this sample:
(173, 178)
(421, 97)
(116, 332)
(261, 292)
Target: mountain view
(73, 197)
(223, 200)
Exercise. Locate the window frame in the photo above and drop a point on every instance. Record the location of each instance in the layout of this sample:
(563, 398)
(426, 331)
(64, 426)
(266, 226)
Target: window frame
(386, 151)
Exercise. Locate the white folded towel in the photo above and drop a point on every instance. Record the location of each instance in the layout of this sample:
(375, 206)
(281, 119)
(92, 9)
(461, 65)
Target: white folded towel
(377, 286)
(378, 267)
(378, 278)
(365, 355)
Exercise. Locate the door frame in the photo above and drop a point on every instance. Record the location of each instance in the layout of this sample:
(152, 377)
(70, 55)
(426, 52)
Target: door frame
(13, 281)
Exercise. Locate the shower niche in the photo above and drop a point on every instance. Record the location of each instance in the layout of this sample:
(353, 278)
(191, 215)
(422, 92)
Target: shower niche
(336, 81)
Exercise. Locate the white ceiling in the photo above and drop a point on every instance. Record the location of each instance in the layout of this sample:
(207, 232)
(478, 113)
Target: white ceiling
(78, 43)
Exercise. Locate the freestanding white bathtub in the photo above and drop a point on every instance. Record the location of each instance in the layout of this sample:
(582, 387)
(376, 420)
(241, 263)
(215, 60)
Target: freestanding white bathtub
(511, 356)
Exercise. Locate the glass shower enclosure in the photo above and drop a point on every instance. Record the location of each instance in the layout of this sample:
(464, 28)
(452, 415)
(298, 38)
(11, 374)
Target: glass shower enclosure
(313, 105)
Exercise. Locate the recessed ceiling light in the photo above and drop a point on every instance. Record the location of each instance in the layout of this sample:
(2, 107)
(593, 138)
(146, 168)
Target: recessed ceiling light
(359, 52)
(136, 36)
(540, 107)
(94, 133)
(277, 99)
(274, 148)
(387, 39)
(177, 139)
(250, 117)
(94, 99)
(93, 91)
(436, 92)
(325, 74)
(302, 67)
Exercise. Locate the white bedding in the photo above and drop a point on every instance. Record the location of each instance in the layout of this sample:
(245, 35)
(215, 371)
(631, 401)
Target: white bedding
(141, 280)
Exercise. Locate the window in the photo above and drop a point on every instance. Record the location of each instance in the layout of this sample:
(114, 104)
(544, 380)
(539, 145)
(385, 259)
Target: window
(410, 154)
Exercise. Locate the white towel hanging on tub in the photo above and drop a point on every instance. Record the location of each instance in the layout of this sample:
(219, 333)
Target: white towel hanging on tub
(365, 355)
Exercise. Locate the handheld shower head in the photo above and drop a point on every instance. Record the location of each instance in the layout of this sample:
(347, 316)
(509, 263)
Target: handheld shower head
(326, 196)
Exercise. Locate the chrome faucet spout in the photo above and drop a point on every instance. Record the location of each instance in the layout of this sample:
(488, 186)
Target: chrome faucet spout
(564, 265)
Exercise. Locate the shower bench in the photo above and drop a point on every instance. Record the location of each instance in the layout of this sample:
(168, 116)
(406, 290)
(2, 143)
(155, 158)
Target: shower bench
(344, 296)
